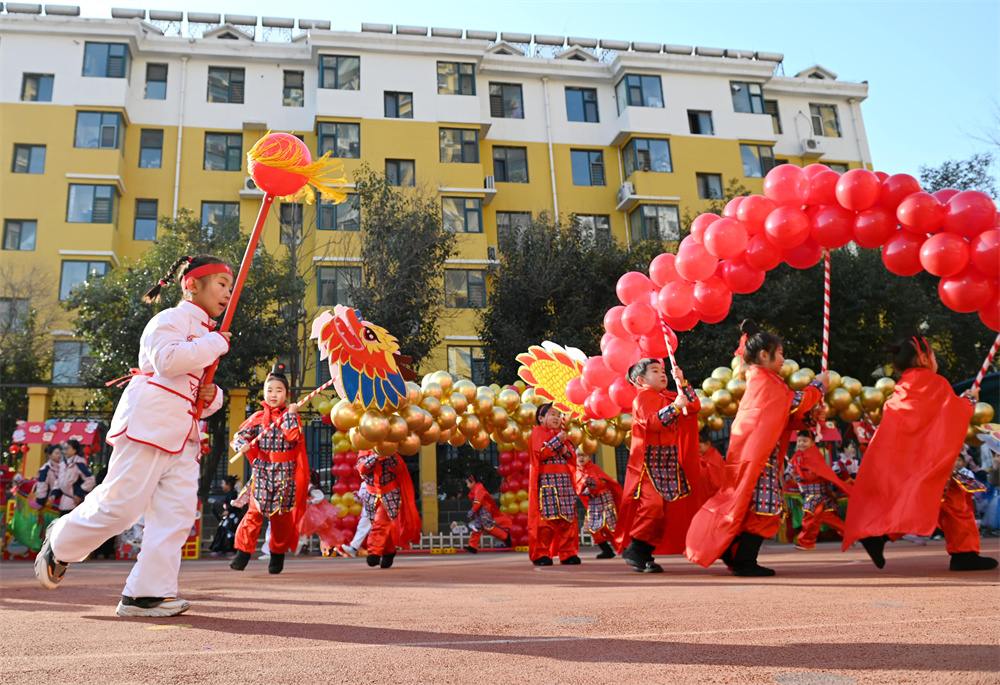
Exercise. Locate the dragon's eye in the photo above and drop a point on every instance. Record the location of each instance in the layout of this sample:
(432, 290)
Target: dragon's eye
(370, 335)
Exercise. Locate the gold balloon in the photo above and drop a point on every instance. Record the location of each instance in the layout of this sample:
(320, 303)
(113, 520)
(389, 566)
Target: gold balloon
(831, 411)
(467, 388)
(788, 368)
(480, 440)
(525, 414)
(520, 385)
(508, 400)
(729, 411)
(872, 398)
(710, 385)
(625, 421)
(434, 390)
(469, 425)
(386, 448)
(809, 372)
(529, 396)
(458, 439)
(983, 413)
(409, 445)
(398, 429)
(610, 435)
(373, 426)
(736, 388)
(799, 380)
(589, 445)
(486, 390)
(875, 415)
(447, 417)
(503, 446)
(575, 435)
(839, 399)
(509, 432)
(523, 440)
(446, 435)
(444, 379)
(430, 435)
(715, 423)
(431, 405)
(835, 379)
(414, 417)
(851, 413)
(458, 401)
(851, 385)
(886, 386)
(701, 423)
(482, 405)
(972, 437)
(722, 374)
(358, 441)
(497, 417)
(413, 393)
(495, 388)
(597, 427)
(721, 398)
(735, 363)
(707, 408)
(345, 416)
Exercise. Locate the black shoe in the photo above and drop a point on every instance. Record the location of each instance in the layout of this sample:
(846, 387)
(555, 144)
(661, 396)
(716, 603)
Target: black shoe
(971, 561)
(875, 547)
(648, 567)
(570, 561)
(509, 542)
(373, 560)
(606, 551)
(542, 561)
(727, 556)
(240, 561)
(753, 570)
(638, 553)
(276, 564)
(745, 559)
(471, 550)
(387, 560)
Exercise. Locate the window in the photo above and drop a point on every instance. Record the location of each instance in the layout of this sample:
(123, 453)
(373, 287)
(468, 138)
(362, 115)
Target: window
(456, 78)
(74, 273)
(106, 60)
(654, 222)
(510, 225)
(294, 94)
(340, 72)
(290, 218)
(647, 154)
(581, 105)
(343, 141)
(151, 148)
(510, 164)
(771, 108)
(37, 88)
(223, 152)
(597, 226)
(156, 81)
(747, 97)
(98, 130)
(70, 361)
(401, 172)
(635, 90)
(13, 311)
(214, 213)
(838, 167)
(459, 145)
(225, 85)
(322, 370)
(467, 363)
(588, 167)
(145, 220)
(825, 121)
(464, 289)
(701, 122)
(462, 214)
(398, 105)
(505, 101)
(709, 186)
(91, 204)
(343, 217)
(757, 160)
(19, 234)
(29, 159)
(336, 284)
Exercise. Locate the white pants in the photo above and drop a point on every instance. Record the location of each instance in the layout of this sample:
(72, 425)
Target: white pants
(141, 480)
(364, 527)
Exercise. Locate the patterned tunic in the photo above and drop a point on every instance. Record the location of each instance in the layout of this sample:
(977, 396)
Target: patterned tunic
(273, 481)
(661, 462)
(767, 499)
(557, 499)
(970, 485)
(601, 512)
(481, 520)
(817, 497)
(379, 475)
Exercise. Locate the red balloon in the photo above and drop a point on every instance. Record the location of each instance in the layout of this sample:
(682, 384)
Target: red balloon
(921, 213)
(682, 323)
(638, 318)
(613, 322)
(340, 487)
(622, 393)
(506, 457)
(740, 277)
(733, 206)
(326, 419)
(662, 269)
(753, 211)
(901, 253)
(944, 254)
(523, 455)
(605, 339)
(969, 213)
(504, 485)
(725, 238)
(699, 225)
(351, 458)
(882, 176)
(600, 405)
(717, 318)
(338, 459)
(350, 522)
(823, 188)
(693, 261)
(281, 147)
(872, 227)
(631, 286)
(504, 470)
(712, 297)
(858, 189)
(787, 227)
(945, 194)
(985, 252)
(811, 170)
(677, 299)
(517, 466)
(621, 355)
(990, 313)
(967, 291)
(897, 188)
(575, 392)
(832, 226)
(521, 519)
(597, 374)
(653, 344)
(762, 254)
(787, 185)
(805, 255)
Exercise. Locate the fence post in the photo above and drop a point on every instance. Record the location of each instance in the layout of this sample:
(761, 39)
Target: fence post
(39, 401)
(429, 489)
(237, 415)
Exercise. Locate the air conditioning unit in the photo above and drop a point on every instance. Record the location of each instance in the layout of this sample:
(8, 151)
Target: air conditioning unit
(812, 147)
(489, 183)
(250, 189)
(625, 191)
(491, 252)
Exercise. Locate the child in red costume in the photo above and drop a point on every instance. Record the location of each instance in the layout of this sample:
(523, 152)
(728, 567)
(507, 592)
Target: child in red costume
(713, 466)
(909, 464)
(280, 475)
(485, 517)
(602, 496)
(819, 503)
(747, 509)
(552, 529)
(390, 505)
(664, 468)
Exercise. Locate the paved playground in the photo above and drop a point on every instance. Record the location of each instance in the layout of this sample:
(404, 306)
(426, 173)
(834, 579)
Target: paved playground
(828, 618)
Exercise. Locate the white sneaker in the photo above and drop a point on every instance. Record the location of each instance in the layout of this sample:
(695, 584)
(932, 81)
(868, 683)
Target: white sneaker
(348, 551)
(48, 570)
(151, 607)
(264, 556)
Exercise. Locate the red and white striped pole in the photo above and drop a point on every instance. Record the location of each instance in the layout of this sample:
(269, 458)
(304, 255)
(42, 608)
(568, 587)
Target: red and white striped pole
(670, 351)
(825, 364)
(986, 364)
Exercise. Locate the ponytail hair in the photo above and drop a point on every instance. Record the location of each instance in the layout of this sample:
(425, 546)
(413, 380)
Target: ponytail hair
(754, 341)
(177, 271)
(906, 352)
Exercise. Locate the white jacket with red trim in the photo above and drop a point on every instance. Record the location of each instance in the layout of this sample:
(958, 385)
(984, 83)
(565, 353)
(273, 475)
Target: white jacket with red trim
(157, 407)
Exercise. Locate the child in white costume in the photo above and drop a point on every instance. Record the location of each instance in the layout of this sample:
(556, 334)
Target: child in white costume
(154, 467)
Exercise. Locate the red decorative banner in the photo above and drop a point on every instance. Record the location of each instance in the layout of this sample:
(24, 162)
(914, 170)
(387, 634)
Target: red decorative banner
(46, 432)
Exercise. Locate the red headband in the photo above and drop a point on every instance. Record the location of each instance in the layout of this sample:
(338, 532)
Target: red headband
(207, 270)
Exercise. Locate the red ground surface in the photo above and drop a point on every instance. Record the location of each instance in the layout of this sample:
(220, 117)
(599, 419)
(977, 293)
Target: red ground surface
(827, 618)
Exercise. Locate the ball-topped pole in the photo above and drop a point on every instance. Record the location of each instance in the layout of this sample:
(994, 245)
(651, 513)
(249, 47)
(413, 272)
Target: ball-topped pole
(287, 150)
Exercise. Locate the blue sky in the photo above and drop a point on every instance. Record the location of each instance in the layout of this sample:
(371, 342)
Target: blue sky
(933, 67)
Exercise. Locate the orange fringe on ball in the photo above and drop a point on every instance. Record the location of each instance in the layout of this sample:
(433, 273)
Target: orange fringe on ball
(321, 174)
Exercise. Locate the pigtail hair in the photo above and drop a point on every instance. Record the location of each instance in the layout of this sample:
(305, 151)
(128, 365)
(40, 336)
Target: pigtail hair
(153, 294)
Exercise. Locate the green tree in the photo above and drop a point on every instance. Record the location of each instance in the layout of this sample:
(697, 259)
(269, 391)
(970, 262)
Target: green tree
(974, 173)
(734, 188)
